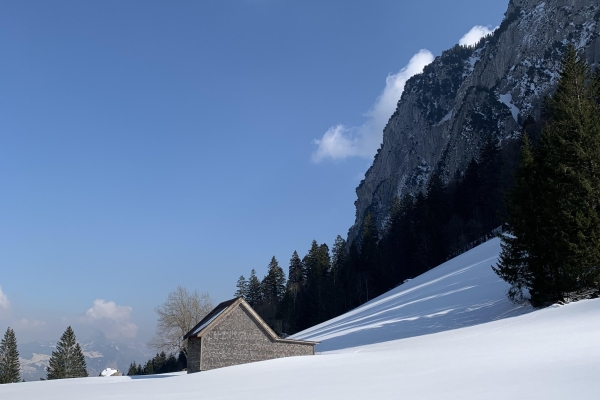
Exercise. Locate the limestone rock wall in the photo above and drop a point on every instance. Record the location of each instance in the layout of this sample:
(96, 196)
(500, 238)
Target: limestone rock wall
(444, 114)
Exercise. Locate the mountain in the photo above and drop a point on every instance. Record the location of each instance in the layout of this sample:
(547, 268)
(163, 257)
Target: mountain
(467, 93)
(99, 353)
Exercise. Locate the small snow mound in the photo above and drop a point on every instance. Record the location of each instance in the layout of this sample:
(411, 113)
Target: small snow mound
(111, 372)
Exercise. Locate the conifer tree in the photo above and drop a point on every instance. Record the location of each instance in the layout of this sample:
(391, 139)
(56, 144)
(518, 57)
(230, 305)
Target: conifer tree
(338, 261)
(297, 273)
(273, 284)
(181, 361)
(9, 358)
(132, 369)
(149, 367)
(254, 290)
(553, 213)
(318, 265)
(242, 288)
(68, 360)
(436, 216)
(517, 245)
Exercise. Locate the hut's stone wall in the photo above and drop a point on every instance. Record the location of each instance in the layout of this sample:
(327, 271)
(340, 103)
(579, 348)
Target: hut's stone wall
(193, 354)
(239, 339)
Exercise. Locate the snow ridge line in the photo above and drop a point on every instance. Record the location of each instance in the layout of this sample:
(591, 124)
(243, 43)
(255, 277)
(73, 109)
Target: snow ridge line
(374, 303)
(354, 322)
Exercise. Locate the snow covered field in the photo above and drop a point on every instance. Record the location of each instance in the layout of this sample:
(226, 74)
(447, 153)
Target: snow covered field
(548, 354)
(461, 292)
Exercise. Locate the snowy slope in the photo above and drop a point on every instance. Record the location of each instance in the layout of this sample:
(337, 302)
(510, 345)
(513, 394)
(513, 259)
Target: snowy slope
(462, 292)
(552, 353)
(548, 354)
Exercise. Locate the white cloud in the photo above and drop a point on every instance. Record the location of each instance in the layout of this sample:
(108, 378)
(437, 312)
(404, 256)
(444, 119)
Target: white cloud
(475, 34)
(340, 142)
(112, 319)
(4, 303)
(27, 324)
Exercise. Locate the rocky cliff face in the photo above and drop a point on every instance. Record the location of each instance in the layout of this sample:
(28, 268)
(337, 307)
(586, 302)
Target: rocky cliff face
(446, 112)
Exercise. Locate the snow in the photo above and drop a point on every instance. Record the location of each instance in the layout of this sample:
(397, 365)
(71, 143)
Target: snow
(446, 118)
(551, 353)
(211, 319)
(108, 372)
(93, 354)
(461, 292)
(507, 100)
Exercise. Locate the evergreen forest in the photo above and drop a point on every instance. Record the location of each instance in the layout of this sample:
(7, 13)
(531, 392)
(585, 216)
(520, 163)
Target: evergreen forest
(159, 364)
(494, 193)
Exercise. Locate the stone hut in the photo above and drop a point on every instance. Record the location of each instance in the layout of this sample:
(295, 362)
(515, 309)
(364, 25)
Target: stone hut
(233, 333)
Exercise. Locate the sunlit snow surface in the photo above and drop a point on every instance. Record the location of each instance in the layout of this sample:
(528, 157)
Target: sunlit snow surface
(461, 292)
(552, 353)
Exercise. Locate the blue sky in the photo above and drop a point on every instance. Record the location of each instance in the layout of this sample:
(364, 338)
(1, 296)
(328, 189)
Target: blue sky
(147, 144)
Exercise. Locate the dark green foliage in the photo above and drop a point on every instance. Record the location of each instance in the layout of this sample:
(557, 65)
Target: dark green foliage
(339, 262)
(513, 258)
(273, 285)
(159, 364)
(242, 288)
(254, 290)
(132, 369)
(422, 230)
(553, 210)
(9, 358)
(420, 233)
(68, 360)
(297, 272)
(315, 297)
(273, 292)
(149, 367)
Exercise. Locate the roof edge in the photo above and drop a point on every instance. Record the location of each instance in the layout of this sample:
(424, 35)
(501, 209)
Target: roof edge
(225, 308)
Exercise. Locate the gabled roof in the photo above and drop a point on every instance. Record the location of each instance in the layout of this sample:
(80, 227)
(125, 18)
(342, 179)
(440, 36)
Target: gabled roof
(224, 308)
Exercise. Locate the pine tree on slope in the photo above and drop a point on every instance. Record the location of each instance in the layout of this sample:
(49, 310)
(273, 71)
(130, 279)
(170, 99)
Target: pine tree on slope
(554, 210)
(9, 358)
(68, 360)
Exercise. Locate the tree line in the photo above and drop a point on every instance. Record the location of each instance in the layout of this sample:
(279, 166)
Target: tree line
(422, 231)
(545, 199)
(159, 364)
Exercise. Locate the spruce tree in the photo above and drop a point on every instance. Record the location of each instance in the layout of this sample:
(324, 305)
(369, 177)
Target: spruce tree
(273, 284)
(68, 360)
(339, 259)
(9, 358)
(297, 273)
(520, 237)
(132, 369)
(554, 213)
(254, 290)
(242, 288)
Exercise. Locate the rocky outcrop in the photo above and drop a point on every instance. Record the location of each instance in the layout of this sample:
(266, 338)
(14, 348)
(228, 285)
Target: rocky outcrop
(446, 112)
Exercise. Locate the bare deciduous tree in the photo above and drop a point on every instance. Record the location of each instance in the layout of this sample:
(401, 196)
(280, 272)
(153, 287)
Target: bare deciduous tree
(176, 316)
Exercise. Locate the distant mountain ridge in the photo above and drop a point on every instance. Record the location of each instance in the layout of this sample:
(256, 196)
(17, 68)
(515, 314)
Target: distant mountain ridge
(99, 352)
(446, 112)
